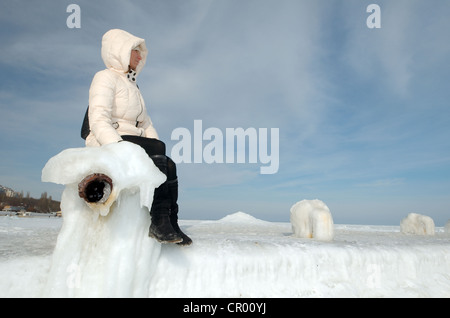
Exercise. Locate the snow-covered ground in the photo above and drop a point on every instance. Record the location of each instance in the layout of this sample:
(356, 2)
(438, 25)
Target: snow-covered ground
(240, 256)
(102, 249)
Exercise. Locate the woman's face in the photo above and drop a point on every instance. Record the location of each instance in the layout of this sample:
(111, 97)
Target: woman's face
(135, 59)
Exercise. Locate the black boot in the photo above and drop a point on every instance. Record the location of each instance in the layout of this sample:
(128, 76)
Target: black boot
(173, 193)
(161, 228)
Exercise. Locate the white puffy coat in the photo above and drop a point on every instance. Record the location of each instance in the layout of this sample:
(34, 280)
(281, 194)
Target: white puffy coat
(116, 106)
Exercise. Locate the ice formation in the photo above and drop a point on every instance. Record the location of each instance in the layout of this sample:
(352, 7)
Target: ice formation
(447, 227)
(312, 219)
(103, 249)
(417, 224)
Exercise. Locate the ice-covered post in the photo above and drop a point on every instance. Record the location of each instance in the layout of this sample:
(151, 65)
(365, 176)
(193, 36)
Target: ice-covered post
(95, 188)
(417, 224)
(103, 248)
(312, 219)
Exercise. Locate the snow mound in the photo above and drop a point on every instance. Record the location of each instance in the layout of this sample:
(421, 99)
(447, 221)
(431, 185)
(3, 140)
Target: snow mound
(312, 219)
(417, 224)
(240, 217)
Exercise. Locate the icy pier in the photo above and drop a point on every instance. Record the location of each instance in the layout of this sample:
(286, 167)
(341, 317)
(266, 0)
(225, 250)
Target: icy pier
(103, 248)
(240, 256)
(237, 256)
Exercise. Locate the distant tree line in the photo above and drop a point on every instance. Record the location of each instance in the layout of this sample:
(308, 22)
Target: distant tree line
(42, 205)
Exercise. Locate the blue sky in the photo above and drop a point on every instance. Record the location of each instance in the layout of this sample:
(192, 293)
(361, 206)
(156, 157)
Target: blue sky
(362, 113)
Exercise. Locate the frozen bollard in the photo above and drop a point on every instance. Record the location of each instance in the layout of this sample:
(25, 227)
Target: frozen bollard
(103, 248)
(447, 227)
(417, 224)
(95, 188)
(312, 219)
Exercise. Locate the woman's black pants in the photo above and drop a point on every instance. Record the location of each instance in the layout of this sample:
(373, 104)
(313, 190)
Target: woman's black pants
(166, 195)
(164, 210)
(156, 150)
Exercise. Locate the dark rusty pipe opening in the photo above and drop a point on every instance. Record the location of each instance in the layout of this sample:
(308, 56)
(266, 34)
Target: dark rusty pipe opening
(95, 188)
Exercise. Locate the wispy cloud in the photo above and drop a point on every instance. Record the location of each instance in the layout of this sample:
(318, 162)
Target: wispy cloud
(383, 183)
